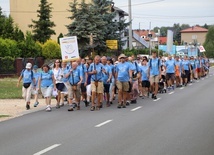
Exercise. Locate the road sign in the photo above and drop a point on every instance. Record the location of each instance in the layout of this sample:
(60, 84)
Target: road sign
(112, 44)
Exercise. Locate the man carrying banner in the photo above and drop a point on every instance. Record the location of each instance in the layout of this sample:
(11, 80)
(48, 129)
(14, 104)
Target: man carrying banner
(95, 70)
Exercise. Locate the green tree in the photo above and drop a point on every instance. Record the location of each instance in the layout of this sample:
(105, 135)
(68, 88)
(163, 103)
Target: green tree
(42, 28)
(51, 50)
(209, 42)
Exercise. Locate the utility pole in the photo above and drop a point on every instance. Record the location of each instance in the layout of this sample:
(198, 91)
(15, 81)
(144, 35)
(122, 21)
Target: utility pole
(130, 26)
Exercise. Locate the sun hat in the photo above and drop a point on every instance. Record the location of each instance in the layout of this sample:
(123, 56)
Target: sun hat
(122, 56)
(28, 65)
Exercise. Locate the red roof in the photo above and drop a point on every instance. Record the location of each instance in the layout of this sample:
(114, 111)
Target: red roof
(162, 40)
(194, 29)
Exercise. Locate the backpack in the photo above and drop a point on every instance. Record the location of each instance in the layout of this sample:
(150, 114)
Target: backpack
(31, 73)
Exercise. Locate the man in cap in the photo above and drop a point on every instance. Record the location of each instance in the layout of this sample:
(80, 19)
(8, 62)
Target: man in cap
(123, 77)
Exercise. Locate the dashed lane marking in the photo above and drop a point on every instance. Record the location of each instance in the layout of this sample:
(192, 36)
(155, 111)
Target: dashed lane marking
(136, 108)
(171, 93)
(47, 149)
(104, 123)
(182, 88)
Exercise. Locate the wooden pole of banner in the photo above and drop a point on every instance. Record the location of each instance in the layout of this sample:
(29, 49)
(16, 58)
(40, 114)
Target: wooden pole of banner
(91, 42)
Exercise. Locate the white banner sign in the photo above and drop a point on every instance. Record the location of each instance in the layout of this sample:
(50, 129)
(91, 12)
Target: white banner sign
(201, 48)
(69, 48)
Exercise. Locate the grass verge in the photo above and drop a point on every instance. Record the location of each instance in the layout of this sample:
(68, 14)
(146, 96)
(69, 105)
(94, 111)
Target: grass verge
(3, 116)
(9, 90)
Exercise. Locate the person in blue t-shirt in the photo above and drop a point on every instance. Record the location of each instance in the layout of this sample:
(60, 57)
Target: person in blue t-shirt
(123, 77)
(96, 70)
(186, 69)
(83, 69)
(154, 73)
(170, 72)
(178, 70)
(36, 75)
(47, 85)
(107, 75)
(145, 83)
(193, 68)
(28, 80)
(75, 78)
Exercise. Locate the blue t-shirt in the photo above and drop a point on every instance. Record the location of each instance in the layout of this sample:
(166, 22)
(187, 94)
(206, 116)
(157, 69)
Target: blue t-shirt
(170, 66)
(192, 62)
(185, 64)
(64, 72)
(144, 72)
(154, 67)
(107, 74)
(98, 67)
(27, 76)
(83, 70)
(197, 63)
(74, 77)
(122, 70)
(46, 79)
(36, 77)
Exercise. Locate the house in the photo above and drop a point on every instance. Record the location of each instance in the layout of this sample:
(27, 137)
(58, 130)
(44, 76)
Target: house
(194, 34)
(23, 11)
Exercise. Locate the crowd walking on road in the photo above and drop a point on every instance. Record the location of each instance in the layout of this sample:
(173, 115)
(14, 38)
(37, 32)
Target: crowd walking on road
(97, 82)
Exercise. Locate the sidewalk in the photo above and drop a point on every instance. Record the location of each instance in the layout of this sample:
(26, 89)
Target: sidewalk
(16, 107)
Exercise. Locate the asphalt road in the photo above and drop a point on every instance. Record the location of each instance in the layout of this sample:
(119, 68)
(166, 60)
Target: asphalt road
(180, 122)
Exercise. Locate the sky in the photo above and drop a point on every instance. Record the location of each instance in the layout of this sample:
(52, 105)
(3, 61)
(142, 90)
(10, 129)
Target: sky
(167, 12)
(161, 12)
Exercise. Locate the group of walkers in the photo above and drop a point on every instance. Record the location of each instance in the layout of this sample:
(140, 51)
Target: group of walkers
(96, 81)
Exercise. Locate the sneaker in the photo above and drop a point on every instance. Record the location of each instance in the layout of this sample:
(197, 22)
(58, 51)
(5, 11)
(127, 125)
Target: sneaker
(128, 103)
(111, 102)
(119, 106)
(27, 106)
(61, 104)
(48, 109)
(36, 104)
(173, 87)
(124, 106)
(155, 97)
(78, 107)
(134, 101)
(57, 106)
(70, 108)
(86, 103)
(108, 104)
(92, 108)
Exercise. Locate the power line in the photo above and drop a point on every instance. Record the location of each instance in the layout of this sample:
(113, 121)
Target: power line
(137, 4)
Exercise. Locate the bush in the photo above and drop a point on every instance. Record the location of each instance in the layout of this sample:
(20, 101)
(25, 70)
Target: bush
(51, 50)
(7, 65)
(9, 47)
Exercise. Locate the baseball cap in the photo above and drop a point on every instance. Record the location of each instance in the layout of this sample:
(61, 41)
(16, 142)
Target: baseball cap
(28, 65)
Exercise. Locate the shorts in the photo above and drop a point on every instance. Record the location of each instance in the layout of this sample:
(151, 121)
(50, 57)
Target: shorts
(60, 86)
(154, 79)
(106, 88)
(99, 89)
(146, 84)
(47, 91)
(170, 76)
(124, 86)
(76, 92)
(186, 75)
(83, 88)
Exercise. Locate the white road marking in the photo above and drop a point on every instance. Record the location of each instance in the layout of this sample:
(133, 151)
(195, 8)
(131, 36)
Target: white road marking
(190, 84)
(136, 108)
(47, 149)
(198, 81)
(182, 88)
(101, 124)
(157, 99)
(202, 79)
(171, 93)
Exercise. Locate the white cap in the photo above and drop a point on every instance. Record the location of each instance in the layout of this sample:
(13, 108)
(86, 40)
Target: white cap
(28, 66)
